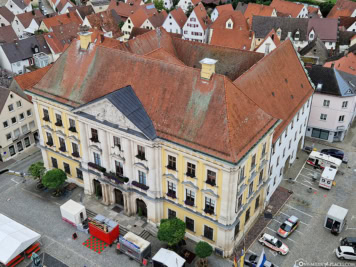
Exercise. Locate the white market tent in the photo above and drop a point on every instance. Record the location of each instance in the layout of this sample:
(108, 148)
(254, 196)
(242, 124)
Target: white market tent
(71, 211)
(169, 258)
(14, 238)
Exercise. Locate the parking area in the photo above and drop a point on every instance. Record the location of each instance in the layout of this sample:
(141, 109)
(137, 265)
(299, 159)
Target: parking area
(311, 242)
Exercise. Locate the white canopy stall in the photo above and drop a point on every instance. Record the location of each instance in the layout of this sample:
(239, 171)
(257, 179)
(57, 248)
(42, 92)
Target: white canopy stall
(14, 238)
(73, 212)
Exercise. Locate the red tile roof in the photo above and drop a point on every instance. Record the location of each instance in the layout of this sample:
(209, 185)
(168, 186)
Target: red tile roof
(7, 34)
(28, 80)
(157, 19)
(202, 16)
(279, 89)
(239, 39)
(257, 10)
(27, 17)
(346, 63)
(227, 7)
(7, 14)
(238, 19)
(287, 7)
(179, 16)
(62, 19)
(213, 117)
(105, 22)
(162, 54)
(273, 36)
(123, 9)
(342, 8)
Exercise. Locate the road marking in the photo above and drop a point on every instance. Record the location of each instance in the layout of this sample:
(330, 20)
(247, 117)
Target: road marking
(16, 182)
(305, 181)
(348, 228)
(252, 252)
(310, 178)
(277, 221)
(299, 232)
(300, 171)
(291, 240)
(290, 215)
(299, 211)
(271, 229)
(307, 185)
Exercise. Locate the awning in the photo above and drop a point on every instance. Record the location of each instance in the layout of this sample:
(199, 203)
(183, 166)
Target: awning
(14, 238)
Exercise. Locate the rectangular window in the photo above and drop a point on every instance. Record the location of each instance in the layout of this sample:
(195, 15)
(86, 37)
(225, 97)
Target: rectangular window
(45, 115)
(6, 124)
(58, 119)
(264, 149)
(242, 173)
(54, 163)
(189, 197)
(97, 159)
(171, 189)
(260, 178)
(94, 135)
(344, 104)
(66, 167)
(273, 148)
(171, 214)
(29, 113)
(253, 161)
(18, 104)
(290, 143)
(27, 142)
(119, 168)
(341, 118)
(323, 117)
(277, 161)
(190, 169)
(237, 229)
(322, 134)
(10, 107)
(141, 152)
(172, 162)
(257, 203)
(24, 129)
(250, 189)
(247, 217)
(208, 232)
(326, 103)
(17, 132)
(79, 174)
(62, 144)
(32, 125)
(13, 120)
(286, 131)
(189, 224)
(300, 129)
(49, 139)
(209, 205)
(211, 178)
(239, 202)
(72, 127)
(284, 152)
(142, 177)
(280, 141)
(298, 116)
(292, 125)
(19, 146)
(75, 150)
(8, 136)
(21, 116)
(12, 150)
(117, 142)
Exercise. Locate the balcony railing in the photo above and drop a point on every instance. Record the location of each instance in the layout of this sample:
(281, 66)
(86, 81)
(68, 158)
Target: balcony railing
(171, 194)
(72, 129)
(95, 139)
(49, 143)
(141, 156)
(190, 174)
(209, 210)
(62, 148)
(75, 154)
(211, 182)
(97, 167)
(46, 118)
(59, 123)
(118, 179)
(173, 168)
(139, 185)
(189, 202)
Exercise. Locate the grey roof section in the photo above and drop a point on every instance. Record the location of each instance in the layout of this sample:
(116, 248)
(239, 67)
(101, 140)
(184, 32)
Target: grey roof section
(263, 25)
(100, 2)
(241, 7)
(82, 10)
(128, 103)
(20, 3)
(345, 37)
(326, 29)
(313, 44)
(22, 49)
(4, 93)
(7, 14)
(346, 82)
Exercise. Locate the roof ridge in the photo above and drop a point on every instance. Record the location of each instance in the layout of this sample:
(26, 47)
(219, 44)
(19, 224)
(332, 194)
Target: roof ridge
(227, 114)
(164, 50)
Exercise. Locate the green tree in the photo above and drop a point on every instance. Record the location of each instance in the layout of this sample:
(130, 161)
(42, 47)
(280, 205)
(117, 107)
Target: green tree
(203, 250)
(54, 179)
(37, 170)
(121, 24)
(325, 8)
(171, 231)
(158, 5)
(189, 9)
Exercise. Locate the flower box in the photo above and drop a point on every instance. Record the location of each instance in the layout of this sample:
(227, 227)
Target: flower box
(171, 194)
(72, 129)
(139, 185)
(75, 154)
(116, 178)
(96, 166)
(189, 202)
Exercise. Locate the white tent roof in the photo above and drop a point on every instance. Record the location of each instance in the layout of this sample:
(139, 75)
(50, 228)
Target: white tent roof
(72, 207)
(14, 238)
(169, 258)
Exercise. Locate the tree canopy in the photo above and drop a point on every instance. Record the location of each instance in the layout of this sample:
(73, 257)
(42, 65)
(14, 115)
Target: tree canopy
(203, 250)
(171, 231)
(37, 170)
(54, 178)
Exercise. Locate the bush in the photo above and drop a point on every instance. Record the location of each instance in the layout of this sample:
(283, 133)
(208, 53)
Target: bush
(203, 250)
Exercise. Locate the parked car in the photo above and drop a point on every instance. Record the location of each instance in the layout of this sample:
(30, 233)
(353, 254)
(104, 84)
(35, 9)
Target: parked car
(288, 227)
(274, 244)
(349, 241)
(336, 153)
(252, 259)
(345, 253)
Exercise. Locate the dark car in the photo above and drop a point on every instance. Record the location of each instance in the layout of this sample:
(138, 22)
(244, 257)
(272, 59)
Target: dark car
(348, 241)
(252, 259)
(334, 153)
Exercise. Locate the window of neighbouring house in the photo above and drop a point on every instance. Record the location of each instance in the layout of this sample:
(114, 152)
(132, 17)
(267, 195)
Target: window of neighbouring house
(211, 178)
(189, 223)
(62, 144)
(341, 118)
(190, 169)
(189, 197)
(119, 168)
(344, 104)
(54, 163)
(171, 189)
(117, 142)
(141, 152)
(66, 168)
(94, 135)
(27, 142)
(247, 217)
(10, 107)
(12, 150)
(97, 159)
(6, 124)
(323, 117)
(19, 146)
(79, 174)
(209, 205)
(171, 214)
(142, 177)
(250, 189)
(208, 232)
(326, 103)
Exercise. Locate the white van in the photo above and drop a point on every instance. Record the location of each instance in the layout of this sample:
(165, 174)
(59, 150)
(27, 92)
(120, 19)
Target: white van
(327, 177)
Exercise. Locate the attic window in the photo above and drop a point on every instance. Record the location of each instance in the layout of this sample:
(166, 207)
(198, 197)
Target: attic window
(11, 96)
(286, 80)
(273, 93)
(301, 85)
(319, 86)
(291, 96)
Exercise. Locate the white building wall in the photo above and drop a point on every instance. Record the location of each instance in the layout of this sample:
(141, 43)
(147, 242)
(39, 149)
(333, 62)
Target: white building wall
(183, 4)
(352, 28)
(303, 13)
(214, 15)
(170, 25)
(4, 22)
(300, 44)
(15, 9)
(147, 25)
(4, 61)
(193, 31)
(283, 151)
(262, 47)
(65, 8)
(168, 4)
(330, 45)
(18, 27)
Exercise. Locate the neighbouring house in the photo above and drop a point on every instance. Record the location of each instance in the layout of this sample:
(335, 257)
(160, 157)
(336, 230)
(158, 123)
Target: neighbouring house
(175, 21)
(346, 40)
(195, 176)
(343, 8)
(26, 24)
(347, 24)
(258, 10)
(82, 11)
(155, 21)
(63, 19)
(345, 63)
(125, 10)
(61, 6)
(325, 29)
(19, 6)
(99, 5)
(7, 35)
(334, 103)
(6, 16)
(231, 30)
(18, 124)
(269, 43)
(219, 9)
(314, 53)
(105, 22)
(17, 56)
(184, 4)
(279, 84)
(292, 9)
(196, 28)
(241, 7)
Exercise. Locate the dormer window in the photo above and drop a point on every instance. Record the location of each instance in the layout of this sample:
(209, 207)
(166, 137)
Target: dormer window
(296, 36)
(311, 36)
(229, 25)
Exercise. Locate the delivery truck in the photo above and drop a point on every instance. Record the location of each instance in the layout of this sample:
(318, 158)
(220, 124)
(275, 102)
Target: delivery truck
(335, 219)
(327, 177)
(135, 247)
(319, 160)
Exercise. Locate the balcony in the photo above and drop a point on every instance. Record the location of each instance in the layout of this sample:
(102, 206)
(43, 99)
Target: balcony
(97, 167)
(76, 154)
(171, 194)
(62, 148)
(95, 139)
(209, 210)
(211, 182)
(189, 202)
(170, 167)
(141, 156)
(117, 179)
(190, 174)
(72, 129)
(49, 143)
(59, 123)
(46, 118)
(139, 185)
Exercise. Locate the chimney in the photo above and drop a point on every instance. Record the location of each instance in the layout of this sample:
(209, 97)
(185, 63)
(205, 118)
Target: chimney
(85, 37)
(207, 68)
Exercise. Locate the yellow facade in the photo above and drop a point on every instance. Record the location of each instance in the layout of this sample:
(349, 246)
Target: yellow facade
(69, 137)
